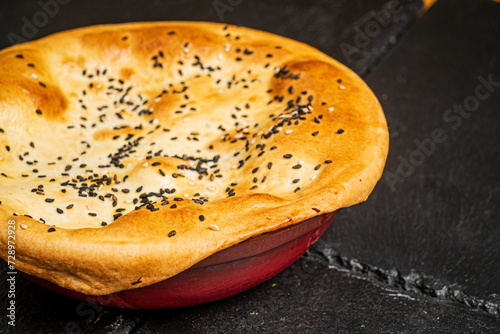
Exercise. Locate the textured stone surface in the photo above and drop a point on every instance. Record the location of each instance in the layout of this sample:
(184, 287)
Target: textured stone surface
(441, 218)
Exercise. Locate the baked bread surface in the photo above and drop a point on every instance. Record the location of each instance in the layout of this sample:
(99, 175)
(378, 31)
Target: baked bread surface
(128, 153)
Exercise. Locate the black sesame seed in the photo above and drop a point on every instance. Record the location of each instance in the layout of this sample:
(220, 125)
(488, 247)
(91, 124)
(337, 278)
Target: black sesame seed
(156, 164)
(104, 224)
(339, 131)
(297, 167)
(315, 133)
(38, 111)
(255, 170)
(287, 156)
(69, 207)
(171, 233)
(296, 180)
(139, 189)
(316, 119)
(296, 189)
(49, 200)
(202, 217)
(92, 214)
(173, 206)
(328, 161)
(60, 211)
(270, 165)
(317, 167)
(51, 230)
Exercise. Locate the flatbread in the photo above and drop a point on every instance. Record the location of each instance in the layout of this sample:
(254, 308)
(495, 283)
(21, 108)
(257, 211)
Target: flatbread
(131, 152)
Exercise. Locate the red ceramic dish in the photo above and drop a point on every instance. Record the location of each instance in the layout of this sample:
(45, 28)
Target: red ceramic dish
(221, 275)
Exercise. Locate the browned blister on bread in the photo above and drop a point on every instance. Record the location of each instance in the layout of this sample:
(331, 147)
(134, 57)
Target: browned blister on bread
(137, 150)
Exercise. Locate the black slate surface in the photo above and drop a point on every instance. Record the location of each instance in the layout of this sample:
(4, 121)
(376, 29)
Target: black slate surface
(438, 215)
(438, 226)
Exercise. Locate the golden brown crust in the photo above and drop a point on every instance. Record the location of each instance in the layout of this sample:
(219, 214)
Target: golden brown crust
(207, 139)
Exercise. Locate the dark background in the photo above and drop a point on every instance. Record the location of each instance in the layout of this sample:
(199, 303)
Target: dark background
(422, 255)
